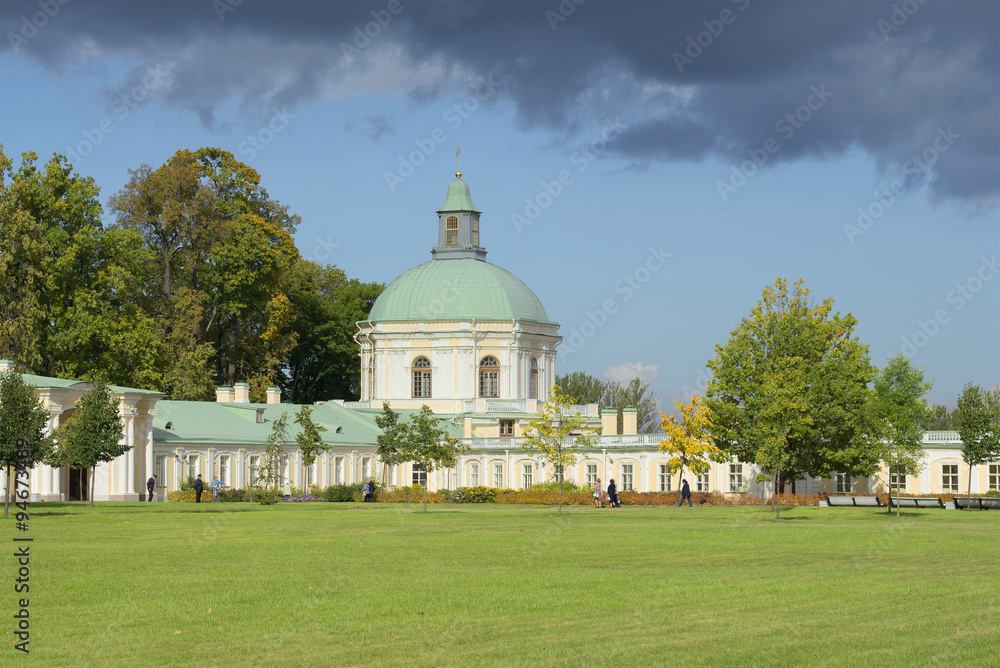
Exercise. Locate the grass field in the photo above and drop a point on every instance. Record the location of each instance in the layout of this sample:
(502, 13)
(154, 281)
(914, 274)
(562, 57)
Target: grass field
(326, 584)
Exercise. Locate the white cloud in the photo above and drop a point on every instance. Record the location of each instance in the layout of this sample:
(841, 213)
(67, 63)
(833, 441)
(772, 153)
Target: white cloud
(626, 371)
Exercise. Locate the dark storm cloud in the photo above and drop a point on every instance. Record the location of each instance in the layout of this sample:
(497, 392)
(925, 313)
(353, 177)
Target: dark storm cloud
(690, 79)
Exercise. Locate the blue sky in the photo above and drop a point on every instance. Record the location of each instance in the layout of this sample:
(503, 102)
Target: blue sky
(817, 110)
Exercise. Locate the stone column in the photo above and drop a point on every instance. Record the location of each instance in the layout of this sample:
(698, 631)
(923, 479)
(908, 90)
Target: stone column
(643, 473)
(146, 437)
(130, 455)
(210, 467)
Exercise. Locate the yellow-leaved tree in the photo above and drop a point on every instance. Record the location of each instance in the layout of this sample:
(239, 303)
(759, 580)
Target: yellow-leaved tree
(689, 439)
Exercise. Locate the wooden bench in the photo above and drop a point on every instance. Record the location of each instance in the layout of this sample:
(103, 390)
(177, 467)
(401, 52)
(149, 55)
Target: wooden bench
(978, 502)
(854, 501)
(916, 502)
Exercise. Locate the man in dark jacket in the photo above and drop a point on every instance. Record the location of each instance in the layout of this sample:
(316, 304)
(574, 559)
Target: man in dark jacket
(150, 484)
(613, 494)
(199, 487)
(685, 493)
(369, 490)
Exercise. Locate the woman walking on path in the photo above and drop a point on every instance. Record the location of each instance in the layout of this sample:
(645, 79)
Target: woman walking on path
(598, 493)
(613, 493)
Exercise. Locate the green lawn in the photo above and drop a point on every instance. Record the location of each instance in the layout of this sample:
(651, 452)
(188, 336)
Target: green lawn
(326, 584)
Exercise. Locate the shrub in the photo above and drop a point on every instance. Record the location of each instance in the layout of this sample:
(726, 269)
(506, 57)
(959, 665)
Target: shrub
(341, 493)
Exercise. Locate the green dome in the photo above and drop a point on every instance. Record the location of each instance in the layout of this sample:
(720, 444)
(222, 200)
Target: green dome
(459, 198)
(457, 289)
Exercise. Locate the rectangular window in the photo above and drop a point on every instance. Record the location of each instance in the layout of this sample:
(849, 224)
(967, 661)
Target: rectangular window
(160, 470)
(283, 466)
(421, 383)
(994, 481)
(664, 478)
(590, 475)
(701, 483)
(844, 483)
(736, 478)
(451, 231)
(475, 230)
(489, 383)
(392, 475)
(338, 470)
(311, 474)
(419, 475)
(949, 477)
(255, 472)
(897, 479)
(474, 474)
(626, 485)
(506, 427)
(366, 468)
(193, 466)
(498, 475)
(224, 469)
(526, 474)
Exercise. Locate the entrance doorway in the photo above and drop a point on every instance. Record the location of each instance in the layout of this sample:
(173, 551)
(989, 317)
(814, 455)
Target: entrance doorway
(78, 480)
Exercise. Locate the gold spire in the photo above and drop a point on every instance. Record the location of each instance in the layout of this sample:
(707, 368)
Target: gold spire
(458, 153)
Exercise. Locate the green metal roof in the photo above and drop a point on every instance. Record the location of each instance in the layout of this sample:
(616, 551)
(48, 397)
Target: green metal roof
(459, 198)
(235, 424)
(67, 383)
(457, 289)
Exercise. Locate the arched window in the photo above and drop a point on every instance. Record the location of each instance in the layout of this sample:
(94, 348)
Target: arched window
(475, 230)
(489, 377)
(421, 378)
(533, 380)
(451, 231)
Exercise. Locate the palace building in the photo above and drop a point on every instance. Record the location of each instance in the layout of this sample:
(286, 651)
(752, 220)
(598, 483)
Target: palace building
(466, 338)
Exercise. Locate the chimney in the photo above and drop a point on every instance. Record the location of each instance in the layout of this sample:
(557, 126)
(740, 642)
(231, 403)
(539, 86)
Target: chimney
(609, 421)
(242, 393)
(630, 420)
(224, 395)
(273, 395)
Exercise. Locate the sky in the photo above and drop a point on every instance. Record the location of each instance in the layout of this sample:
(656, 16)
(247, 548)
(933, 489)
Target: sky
(646, 168)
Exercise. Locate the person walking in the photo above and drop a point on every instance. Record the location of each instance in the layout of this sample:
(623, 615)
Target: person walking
(598, 494)
(199, 487)
(613, 494)
(685, 493)
(216, 489)
(369, 490)
(287, 491)
(150, 484)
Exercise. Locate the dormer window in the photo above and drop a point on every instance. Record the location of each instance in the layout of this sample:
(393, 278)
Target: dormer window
(451, 231)
(475, 230)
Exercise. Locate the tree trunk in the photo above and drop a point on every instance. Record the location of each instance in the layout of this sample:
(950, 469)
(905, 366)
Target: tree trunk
(90, 490)
(777, 496)
(680, 476)
(6, 486)
(385, 479)
(968, 506)
(425, 492)
(560, 495)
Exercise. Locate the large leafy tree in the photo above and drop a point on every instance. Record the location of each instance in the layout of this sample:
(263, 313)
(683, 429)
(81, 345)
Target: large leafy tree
(787, 337)
(556, 433)
(689, 439)
(22, 421)
(898, 414)
(938, 418)
(310, 441)
(68, 287)
(269, 471)
(92, 435)
(391, 449)
(979, 430)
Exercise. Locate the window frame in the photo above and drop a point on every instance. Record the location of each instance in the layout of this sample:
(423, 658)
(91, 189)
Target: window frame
(895, 474)
(626, 477)
(450, 232)
(589, 478)
(993, 478)
(736, 473)
(253, 462)
(527, 475)
(533, 379)
(474, 229)
(225, 469)
(473, 474)
(498, 475)
(160, 470)
(339, 470)
(489, 370)
(418, 475)
(665, 482)
(843, 483)
(953, 472)
(702, 482)
(421, 376)
(509, 431)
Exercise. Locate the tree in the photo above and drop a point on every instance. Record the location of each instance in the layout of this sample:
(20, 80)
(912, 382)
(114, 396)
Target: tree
(270, 466)
(786, 336)
(688, 440)
(898, 414)
(425, 442)
(92, 435)
(22, 416)
(938, 418)
(310, 441)
(555, 434)
(391, 449)
(581, 388)
(979, 430)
